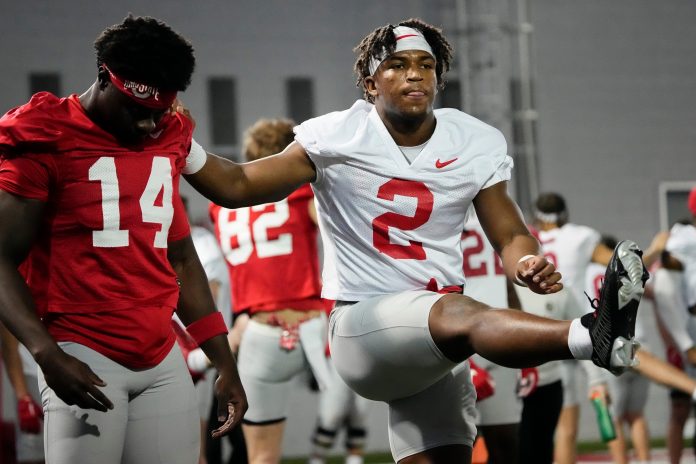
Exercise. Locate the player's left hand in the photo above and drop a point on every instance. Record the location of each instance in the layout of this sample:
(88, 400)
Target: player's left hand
(232, 402)
(539, 275)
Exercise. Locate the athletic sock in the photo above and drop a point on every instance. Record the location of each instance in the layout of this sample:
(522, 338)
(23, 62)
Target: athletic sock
(579, 341)
(354, 459)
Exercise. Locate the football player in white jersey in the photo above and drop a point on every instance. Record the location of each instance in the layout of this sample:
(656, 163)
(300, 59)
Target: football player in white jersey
(393, 179)
(498, 416)
(573, 249)
(675, 298)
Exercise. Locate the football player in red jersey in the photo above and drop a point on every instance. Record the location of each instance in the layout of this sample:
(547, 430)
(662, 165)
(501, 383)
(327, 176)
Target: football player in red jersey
(271, 250)
(91, 211)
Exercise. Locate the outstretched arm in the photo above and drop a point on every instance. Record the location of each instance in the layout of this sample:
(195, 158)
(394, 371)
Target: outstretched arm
(664, 373)
(502, 221)
(195, 303)
(72, 380)
(266, 180)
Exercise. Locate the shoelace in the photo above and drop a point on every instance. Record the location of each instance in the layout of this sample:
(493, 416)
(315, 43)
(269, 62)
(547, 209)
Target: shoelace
(594, 302)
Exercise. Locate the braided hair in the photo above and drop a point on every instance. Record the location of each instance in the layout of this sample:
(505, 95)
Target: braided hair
(382, 39)
(146, 50)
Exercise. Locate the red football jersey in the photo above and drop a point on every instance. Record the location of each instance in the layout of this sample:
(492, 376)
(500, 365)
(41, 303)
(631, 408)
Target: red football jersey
(110, 212)
(272, 254)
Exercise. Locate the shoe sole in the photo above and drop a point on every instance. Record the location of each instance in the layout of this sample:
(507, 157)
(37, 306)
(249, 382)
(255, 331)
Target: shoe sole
(629, 295)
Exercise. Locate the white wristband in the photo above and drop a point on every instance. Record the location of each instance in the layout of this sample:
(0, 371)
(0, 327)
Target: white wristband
(517, 280)
(197, 361)
(195, 159)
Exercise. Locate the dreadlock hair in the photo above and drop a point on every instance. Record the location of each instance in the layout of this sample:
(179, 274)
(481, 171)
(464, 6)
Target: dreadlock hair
(267, 137)
(146, 50)
(382, 39)
(553, 203)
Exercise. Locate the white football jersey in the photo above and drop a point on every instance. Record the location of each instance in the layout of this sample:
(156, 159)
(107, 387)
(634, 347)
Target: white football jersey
(388, 225)
(682, 245)
(215, 268)
(570, 248)
(483, 269)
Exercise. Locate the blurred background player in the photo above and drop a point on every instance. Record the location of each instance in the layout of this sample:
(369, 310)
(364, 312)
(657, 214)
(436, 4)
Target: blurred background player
(628, 393)
(543, 397)
(272, 253)
(675, 298)
(339, 408)
(499, 414)
(22, 372)
(573, 248)
(89, 187)
(202, 371)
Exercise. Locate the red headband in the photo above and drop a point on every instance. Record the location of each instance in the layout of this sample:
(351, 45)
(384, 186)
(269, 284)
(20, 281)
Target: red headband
(144, 94)
(692, 201)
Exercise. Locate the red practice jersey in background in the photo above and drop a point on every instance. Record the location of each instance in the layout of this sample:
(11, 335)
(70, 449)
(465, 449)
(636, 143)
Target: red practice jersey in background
(272, 254)
(98, 271)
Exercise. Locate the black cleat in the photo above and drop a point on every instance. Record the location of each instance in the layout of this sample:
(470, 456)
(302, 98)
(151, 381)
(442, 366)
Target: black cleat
(612, 325)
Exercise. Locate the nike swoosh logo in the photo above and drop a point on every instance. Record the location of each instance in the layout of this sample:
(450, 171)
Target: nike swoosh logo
(441, 164)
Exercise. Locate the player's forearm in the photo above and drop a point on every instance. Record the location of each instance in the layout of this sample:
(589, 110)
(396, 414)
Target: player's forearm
(218, 351)
(195, 299)
(521, 244)
(266, 180)
(220, 180)
(18, 315)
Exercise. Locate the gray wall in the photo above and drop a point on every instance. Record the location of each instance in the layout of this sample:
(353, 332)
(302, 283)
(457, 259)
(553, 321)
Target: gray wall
(614, 90)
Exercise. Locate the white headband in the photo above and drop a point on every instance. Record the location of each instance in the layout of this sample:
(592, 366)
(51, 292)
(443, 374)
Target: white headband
(552, 218)
(407, 38)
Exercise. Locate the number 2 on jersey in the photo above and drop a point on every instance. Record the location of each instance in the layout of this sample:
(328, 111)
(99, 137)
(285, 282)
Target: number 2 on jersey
(160, 180)
(382, 223)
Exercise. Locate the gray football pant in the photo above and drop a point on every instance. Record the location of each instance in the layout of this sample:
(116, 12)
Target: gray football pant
(154, 420)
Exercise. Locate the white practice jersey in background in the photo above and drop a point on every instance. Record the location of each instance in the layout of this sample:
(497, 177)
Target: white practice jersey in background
(485, 279)
(215, 268)
(389, 226)
(682, 245)
(570, 248)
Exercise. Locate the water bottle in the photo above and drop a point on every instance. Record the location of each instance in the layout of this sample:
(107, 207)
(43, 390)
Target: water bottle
(604, 419)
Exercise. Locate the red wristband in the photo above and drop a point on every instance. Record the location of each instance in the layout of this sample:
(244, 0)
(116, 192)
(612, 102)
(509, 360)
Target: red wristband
(207, 327)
